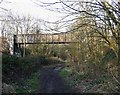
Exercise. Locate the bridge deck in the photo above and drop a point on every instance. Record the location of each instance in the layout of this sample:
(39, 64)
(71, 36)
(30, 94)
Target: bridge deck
(63, 38)
(50, 43)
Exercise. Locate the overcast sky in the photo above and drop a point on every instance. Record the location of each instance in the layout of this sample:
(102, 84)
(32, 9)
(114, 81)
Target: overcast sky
(27, 7)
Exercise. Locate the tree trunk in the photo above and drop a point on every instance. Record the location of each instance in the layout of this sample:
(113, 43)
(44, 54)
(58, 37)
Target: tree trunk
(118, 58)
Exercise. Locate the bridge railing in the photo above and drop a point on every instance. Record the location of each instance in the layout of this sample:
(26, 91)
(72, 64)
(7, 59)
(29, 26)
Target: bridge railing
(39, 38)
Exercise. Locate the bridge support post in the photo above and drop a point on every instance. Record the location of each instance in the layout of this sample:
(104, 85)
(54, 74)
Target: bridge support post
(20, 50)
(24, 48)
(14, 44)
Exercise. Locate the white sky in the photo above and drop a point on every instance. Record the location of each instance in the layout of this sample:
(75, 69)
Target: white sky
(27, 7)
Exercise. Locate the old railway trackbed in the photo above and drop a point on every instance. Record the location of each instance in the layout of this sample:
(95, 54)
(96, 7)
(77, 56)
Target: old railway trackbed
(52, 82)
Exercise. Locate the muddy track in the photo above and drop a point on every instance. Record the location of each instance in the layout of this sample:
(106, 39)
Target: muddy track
(52, 82)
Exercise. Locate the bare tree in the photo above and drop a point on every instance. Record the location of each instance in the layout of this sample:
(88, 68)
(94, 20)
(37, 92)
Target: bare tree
(20, 25)
(105, 17)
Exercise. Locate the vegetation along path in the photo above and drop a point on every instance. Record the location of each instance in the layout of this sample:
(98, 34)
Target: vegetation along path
(52, 82)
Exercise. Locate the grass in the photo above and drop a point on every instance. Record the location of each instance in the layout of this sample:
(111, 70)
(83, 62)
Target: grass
(65, 72)
(30, 85)
(33, 83)
(88, 83)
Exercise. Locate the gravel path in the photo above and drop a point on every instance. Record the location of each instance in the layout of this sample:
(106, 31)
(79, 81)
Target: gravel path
(52, 82)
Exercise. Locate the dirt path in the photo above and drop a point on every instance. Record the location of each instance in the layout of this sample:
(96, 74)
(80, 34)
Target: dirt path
(52, 82)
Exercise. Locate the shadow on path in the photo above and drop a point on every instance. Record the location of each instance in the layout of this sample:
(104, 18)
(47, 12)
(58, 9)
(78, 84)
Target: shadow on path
(52, 82)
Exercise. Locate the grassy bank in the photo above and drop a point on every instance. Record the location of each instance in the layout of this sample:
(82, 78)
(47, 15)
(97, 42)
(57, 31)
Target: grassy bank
(88, 83)
(23, 73)
(30, 85)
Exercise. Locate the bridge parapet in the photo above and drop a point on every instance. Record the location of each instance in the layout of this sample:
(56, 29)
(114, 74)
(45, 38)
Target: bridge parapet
(39, 38)
(21, 40)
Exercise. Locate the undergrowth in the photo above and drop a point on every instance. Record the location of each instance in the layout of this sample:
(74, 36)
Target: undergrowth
(87, 83)
(30, 85)
(18, 71)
